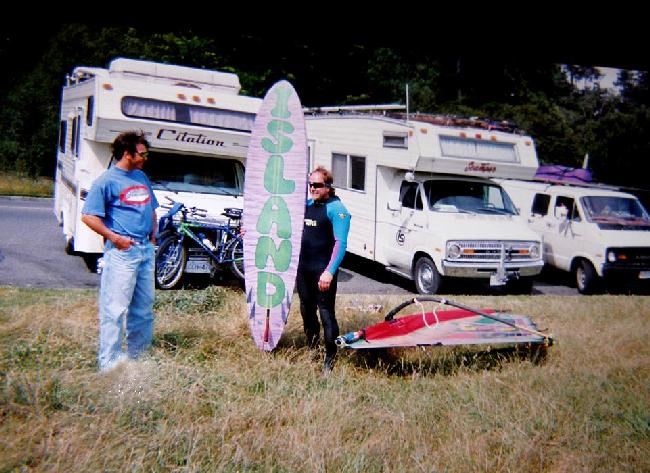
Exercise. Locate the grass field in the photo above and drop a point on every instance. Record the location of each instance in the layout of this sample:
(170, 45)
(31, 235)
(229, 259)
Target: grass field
(206, 399)
(15, 184)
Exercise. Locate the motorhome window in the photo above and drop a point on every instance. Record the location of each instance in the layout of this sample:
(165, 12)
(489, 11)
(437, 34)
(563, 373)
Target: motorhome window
(466, 148)
(73, 137)
(89, 110)
(349, 171)
(63, 130)
(467, 197)
(198, 174)
(540, 204)
(395, 140)
(149, 109)
(613, 207)
(78, 136)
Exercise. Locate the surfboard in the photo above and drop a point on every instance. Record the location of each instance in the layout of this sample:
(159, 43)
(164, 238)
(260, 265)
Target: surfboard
(275, 190)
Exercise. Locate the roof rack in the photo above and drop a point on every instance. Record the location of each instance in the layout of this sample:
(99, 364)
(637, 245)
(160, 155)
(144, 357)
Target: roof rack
(397, 112)
(341, 109)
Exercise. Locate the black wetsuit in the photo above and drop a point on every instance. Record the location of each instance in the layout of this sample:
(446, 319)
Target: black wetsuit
(324, 241)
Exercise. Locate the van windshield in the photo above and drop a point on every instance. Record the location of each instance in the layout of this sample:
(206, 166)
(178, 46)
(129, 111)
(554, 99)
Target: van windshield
(197, 174)
(467, 196)
(601, 209)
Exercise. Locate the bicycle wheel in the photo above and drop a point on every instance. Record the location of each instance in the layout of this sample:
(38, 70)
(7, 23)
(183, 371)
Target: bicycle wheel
(170, 261)
(235, 252)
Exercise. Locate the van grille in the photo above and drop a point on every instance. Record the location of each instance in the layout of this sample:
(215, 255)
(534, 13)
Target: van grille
(488, 251)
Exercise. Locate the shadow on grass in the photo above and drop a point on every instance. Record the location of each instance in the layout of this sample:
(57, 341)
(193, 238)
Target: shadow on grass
(444, 360)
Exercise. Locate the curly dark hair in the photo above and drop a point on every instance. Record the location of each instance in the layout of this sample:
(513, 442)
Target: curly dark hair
(126, 142)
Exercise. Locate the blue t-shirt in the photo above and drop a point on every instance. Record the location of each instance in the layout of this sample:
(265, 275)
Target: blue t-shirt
(125, 202)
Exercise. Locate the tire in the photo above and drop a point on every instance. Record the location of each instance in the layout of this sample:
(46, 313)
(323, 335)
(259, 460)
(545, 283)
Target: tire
(426, 276)
(586, 278)
(235, 252)
(170, 261)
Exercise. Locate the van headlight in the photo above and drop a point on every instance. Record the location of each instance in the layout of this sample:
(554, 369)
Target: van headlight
(534, 251)
(453, 251)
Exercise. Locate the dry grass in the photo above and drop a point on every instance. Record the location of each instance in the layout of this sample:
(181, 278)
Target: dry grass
(206, 399)
(19, 185)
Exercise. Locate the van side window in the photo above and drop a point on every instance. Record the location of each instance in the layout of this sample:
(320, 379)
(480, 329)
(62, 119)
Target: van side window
(540, 204)
(569, 204)
(409, 195)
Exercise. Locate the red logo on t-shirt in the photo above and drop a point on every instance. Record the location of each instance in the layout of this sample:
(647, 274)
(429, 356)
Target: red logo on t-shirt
(135, 195)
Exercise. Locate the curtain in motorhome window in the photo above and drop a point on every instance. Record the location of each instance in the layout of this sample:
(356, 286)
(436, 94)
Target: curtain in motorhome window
(465, 148)
(145, 108)
(340, 170)
(184, 113)
(229, 119)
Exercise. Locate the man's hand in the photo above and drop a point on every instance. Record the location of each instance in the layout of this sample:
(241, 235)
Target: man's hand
(121, 242)
(325, 281)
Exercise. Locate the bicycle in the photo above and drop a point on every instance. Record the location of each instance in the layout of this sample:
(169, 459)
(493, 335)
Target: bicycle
(187, 244)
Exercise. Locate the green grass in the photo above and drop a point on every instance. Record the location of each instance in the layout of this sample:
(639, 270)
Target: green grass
(205, 399)
(20, 185)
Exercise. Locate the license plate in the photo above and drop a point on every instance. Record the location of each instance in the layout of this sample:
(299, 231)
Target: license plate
(644, 274)
(198, 266)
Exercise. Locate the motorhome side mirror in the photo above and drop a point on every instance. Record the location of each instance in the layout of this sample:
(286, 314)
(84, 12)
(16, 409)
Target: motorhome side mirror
(394, 205)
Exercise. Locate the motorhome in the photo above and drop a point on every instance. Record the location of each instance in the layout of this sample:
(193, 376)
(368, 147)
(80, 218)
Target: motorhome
(196, 121)
(418, 191)
(599, 234)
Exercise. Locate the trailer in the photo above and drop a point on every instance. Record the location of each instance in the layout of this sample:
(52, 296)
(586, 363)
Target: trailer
(196, 121)
(419, 191)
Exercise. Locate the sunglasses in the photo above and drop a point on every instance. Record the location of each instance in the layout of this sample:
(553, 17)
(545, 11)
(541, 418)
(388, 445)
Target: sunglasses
(317, 185)
(144, 155)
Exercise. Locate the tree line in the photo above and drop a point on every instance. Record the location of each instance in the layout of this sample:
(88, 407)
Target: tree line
(539, 95)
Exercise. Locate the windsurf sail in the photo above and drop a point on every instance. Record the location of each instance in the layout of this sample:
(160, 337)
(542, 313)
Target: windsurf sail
(460, 326)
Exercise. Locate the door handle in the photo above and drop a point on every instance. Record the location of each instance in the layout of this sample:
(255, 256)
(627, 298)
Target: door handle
(418, 226)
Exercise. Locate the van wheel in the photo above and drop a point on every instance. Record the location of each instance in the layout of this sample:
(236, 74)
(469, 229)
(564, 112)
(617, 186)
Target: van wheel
(426, 276)
(586, 278)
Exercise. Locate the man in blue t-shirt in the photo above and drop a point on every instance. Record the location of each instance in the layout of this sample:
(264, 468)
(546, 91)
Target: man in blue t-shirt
(121, 208)
(324, 241)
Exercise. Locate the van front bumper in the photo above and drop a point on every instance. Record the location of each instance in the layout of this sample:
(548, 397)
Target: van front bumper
(486, 270)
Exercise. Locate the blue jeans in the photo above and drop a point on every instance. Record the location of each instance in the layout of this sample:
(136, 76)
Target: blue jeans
(127, 290)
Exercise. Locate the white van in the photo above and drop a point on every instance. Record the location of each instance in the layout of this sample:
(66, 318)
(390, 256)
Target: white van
(594, 232)
(420, 198)
(196, 121)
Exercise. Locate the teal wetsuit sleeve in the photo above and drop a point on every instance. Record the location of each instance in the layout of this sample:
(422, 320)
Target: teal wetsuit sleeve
(340, 218)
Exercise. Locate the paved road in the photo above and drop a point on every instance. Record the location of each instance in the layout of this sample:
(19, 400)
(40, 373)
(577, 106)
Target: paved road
(32, 255)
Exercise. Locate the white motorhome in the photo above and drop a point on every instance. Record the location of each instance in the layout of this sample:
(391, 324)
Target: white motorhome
(420, 199)
(195, 120)
(596, 233)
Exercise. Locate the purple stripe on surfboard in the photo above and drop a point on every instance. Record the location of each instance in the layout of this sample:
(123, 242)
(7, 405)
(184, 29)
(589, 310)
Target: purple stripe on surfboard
(267, 332)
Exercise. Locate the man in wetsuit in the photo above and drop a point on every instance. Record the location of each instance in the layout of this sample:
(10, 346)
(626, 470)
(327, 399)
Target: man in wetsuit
(324, 241)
